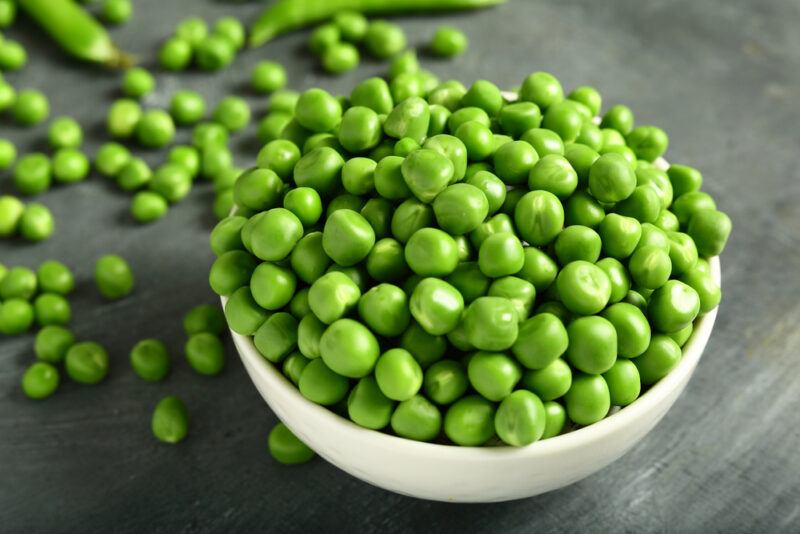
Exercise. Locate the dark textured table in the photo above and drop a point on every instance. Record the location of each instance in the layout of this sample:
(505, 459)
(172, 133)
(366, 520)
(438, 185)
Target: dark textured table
(723, 79)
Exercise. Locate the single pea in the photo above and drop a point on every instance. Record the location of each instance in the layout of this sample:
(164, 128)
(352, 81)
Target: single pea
(643, 204)
(233, 113)
(658, 360)
(276, 338)
(226, 235)
(493, 375)
(618, 276)
(360, 129)
(340, 57)
(321, 139)
(491, 186)
(541, 88)
(155, 129)
(275, 234)
(286, 448)
(667, 221)
(113, 277)
(231, 29)
(52, 343)
(398, 374)
(416, 418)
(650, 267)
(268, 77)
(409, 118)
(539, 217)
(204, 318)
(427, 173)
(611, 137)
(358, 175)
(205, 353)
(431, 252)
(386, 261)
(588, 399)
(30, 107)
(520, 292)
(367, 406)
(477, 138)
(137, 83)
(187, 107)
(448, 94)
(384, 39)
(13, 55)
(542, 339)
(497, 224)
(172, 181)
(577, 243)
(436, 306)
(8, 154)
(384, 308)
(279, 156)
(352, 25)
(587, 96)
(553, 173)
(65, 132)
(659, 181)
(648, 142)
(485, 95)
(148, 206)
(309, 332)
(308, 260)
(373, 93)
(470, 421)
(318, 110)
(150, 360)
(501, 254)
(682, 252)
(111, 158)
(319, 169)
(682, 336)
(305, 204)
(318, 383)
(618, 117)
(333, 295)
(36, 223)
(591, 136)
(347, 237)
(86, 362)
(673, 306)
(562, 118)
(550, 382)
(623, 382)
(520, 419)
(209, 134)
(710, 230)
(426, 348)
(52, 309)
(175, 54)
(243, 314)
(491, 323)
(18, 283)
(545, 142)
(272, 286)
(170, 420)
(33, 173)
(555, 419)
(611, 178)
(460, 208)
(445, 381)
(16, 316)
(123, 117)
(258, 189)
(582, 209)
(40, 380)
(438, 118)
(322, 37)
(70, 165)
(463, 115)
(294, 365)
(633, 330)
(448, 41)
(686, 205)
(193, 29)
(116, 11)
(8, 95)
(582, 159)
(583, 287)
(453, 149)
(134, 175)
(592, 344)
(272, 125)
(469, 280)
(214, 52)
(620, 235)
(684, 179)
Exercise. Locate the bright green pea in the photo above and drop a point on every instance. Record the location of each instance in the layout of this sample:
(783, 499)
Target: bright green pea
(40, 381)
(648, 142)
(541, 88)
(550, 382)
(501, 254)
(347, 237)
(416, 418)
(52, 309)
(231, 29)
(620, 235)
(426, 348)
(272, 286)
(322, 37)
(682, 336)
(492, 188)
(318, 110)
(623, 382)
(588, 399)
(386, 261)
(491, 323)
(618, 276)
(469, 280)
(555, 419)
(564, 119)
(30, 107)
(520, 292)
(611, 137)
(275, 234)
(673, 306)
(682, 252)
(448, 41)
(583, 287)
(155, 129)
(710, 230)
(193, 29)
(513, 161)
(32, 174)
(308, 260)
(659, 359)
(553, 173)
(360, 129)
(618, 117)
(230, 271)
(150, 360)
(439, 116)
(684, 179)
(582, 158)
(279, 156)
(633, 330)
(356, 273)
(36, 223)
(205, 353)
(485, 95)
(52, 343)
(276, 338)
(137, 83)
(294, 365)
(333, 295)
(258, 189)
(611, 178)
(410, 216)
(452, 148)
(539, 217)
(16, 316)
(539, 269)
(520, 419)
(358, 175)
(111, 158)
(204, 318)
(542, 339)
(113, 277)
(643, 204)
(172, 181)
(384, 39)
(431, 252)
(409, 118)
(650, 267)
(65, 132)
(233, 113)
(175, 54)
(116, 11)
(707, 289)
(187, 107)
(436, 306)
(320, 384)
(477, 138)
(384, 308)
(588, 96)
(8, 154)
(86, 362)
(18, 283)
(148, 206)
(686, 205)
(367, 406)
(319, 169)
(592, 344)
(406, 85)
(577, 243)
(445, 381)
(209, 134)
(659, 181)
(373, 93)
(470, 421)
(268, 77)
(286, 448)
(398, 374)
(448, 94)
(427, 173)
(405, 146)
(545, 142)
(582, 209)
(352, 25)
(70, 165)
(170, 420)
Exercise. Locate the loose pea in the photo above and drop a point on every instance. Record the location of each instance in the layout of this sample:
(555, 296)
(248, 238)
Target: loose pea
(286, 448)
(33, 173)
(347, 237)
(193, 29)
(541, 88)
(643, 204)
(384, 39)
(582, 159)
(8, 95)
(491, 323)
(673, 306)
(111, 158)
(417, 419)
(633, 330)
(30, 107)
(658, 180)
(682, 252)
(16, 316)
(620, 235)
(410, 216)
(271, 126)
(279, 156)
(553, 173)
(431, 252)
(618, 117)
(305, 204)
(324, 36)
(650, 267)
(8, 154)
(667, 221)
(495, 225)
(65, 132)
(448, 94)
(233, 113)
(427, 173)
(172, 181)
(623, 382)
(520, 418)
(40, 380)
(175, 54)
(577, 243)
(13, 55)
(214, 52)
(276, 338)
(187, 107)
(70, 165)
(272, 286)
(352, 25)
(539, 217)
(590, 136)
(209, 134)
(268, 77)
(170, 420)
(555, 419)
(155, 129)
(36, 223)
(18, 283)
(231, 29)
(360, 129)
(470, 421)
(550, 382)
(113, 277)
(321, 385)
(308, 260)
(137, 83)
(318, 110)
(150, 360)
(367, 406)
(309, 332)
(340, 57)
(592, 344)
(205, 354)
(710, 230)
(243, 314)
(52, 309)
(485, 95)
(611, 137)
(52, 343)
(658, 360)
(448, 41)
(587, 96)
(520, 292)
(134, 175)
(86, 362)
(116, 11)
(258, 189)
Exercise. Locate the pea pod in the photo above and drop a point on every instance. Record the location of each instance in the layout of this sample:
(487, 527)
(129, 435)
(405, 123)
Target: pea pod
(287, 15)
(76, 31)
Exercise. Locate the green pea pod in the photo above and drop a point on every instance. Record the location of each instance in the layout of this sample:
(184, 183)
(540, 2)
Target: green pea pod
(76, 30)
(287, 15)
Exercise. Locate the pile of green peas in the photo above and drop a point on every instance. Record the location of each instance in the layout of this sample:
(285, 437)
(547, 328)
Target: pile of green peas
(208, 49)
(449, 265)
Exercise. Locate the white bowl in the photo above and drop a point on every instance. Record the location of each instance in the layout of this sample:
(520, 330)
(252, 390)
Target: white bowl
(472, 474)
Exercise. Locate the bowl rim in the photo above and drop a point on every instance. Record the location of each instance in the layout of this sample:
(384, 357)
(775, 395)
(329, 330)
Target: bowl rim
(582, 437)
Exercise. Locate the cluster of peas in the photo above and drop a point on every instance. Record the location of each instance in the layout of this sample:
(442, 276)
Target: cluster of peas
(209, 50)
(454, 265)
(335, 42)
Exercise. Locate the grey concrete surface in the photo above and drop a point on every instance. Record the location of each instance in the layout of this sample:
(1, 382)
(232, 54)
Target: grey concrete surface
(722, 77)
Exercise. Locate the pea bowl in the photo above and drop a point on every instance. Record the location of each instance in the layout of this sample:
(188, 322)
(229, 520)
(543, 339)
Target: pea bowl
(472, 474)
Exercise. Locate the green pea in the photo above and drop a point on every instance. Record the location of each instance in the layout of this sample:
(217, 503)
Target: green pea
(493, 189)
(406, 85)
(276, 338)
(321, 385)
(322, 37)
(208, 134)
(205, 354)
(648, 142)
(113, 277)
(175, 54)
(682, 252)
(513, 161)
(684, 179)
(611, 178)
(18, 283)
(436, 306)
(347, 237)
(588, 96)
(555, 419)
(32, 174)
(485, 95)
(682, 336)
(623, 382)
(384, 308)
(86, 362)
(384, 39)
(687, 204)
(592, 344)
(275, 234)
(358, 175)
(427, 173)
(667, 221)
(16, 316)
(588, 399)
(36, 223)
(520, 418)
(147, 206)
(272, 286)
(650, 267)
(193, 29)
(187, 107)
(416, 418)
(445, 381)
(52, 343)
(368, 406)
(643, 204)
(230, 271)
(542, 339)
(373, 93)
(409, 118)
(707, 289)
(52, 309)
(448, 41)
(386, 261)
(439, 116)
(658, 180)
(294, 365)
(562, 118)
(545, 142)
(470, 421)
(305, 204)
(40, 381)
(111, 158)
(452, 148)
(618, 276)
(583, 287)
(477, 138)
(633, 330)
(398, 375)
(170, 420)
(333, 295)
(272, 125)
(8, 153)
(448, 94)
(658, 360)
(309, 333)
(491, 323)
(231, 29)
(620, 235)
(426, 348)
(553, 173)
(30, 107)
(538, 268)
(69, 165)
(150, 360)
(541, 88)
(590, 136)
(577, 243)
(64, 132)
(581, 209)
(267, 77)
(710, 230)
(431, 252)
(137, 83)
(618, 117)
(549, 382)
(520, 292)
(318, 110)
(356, 273)
(204, 318)
(500, 255)
(320, 169)
(155, 129)
(673, 306)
